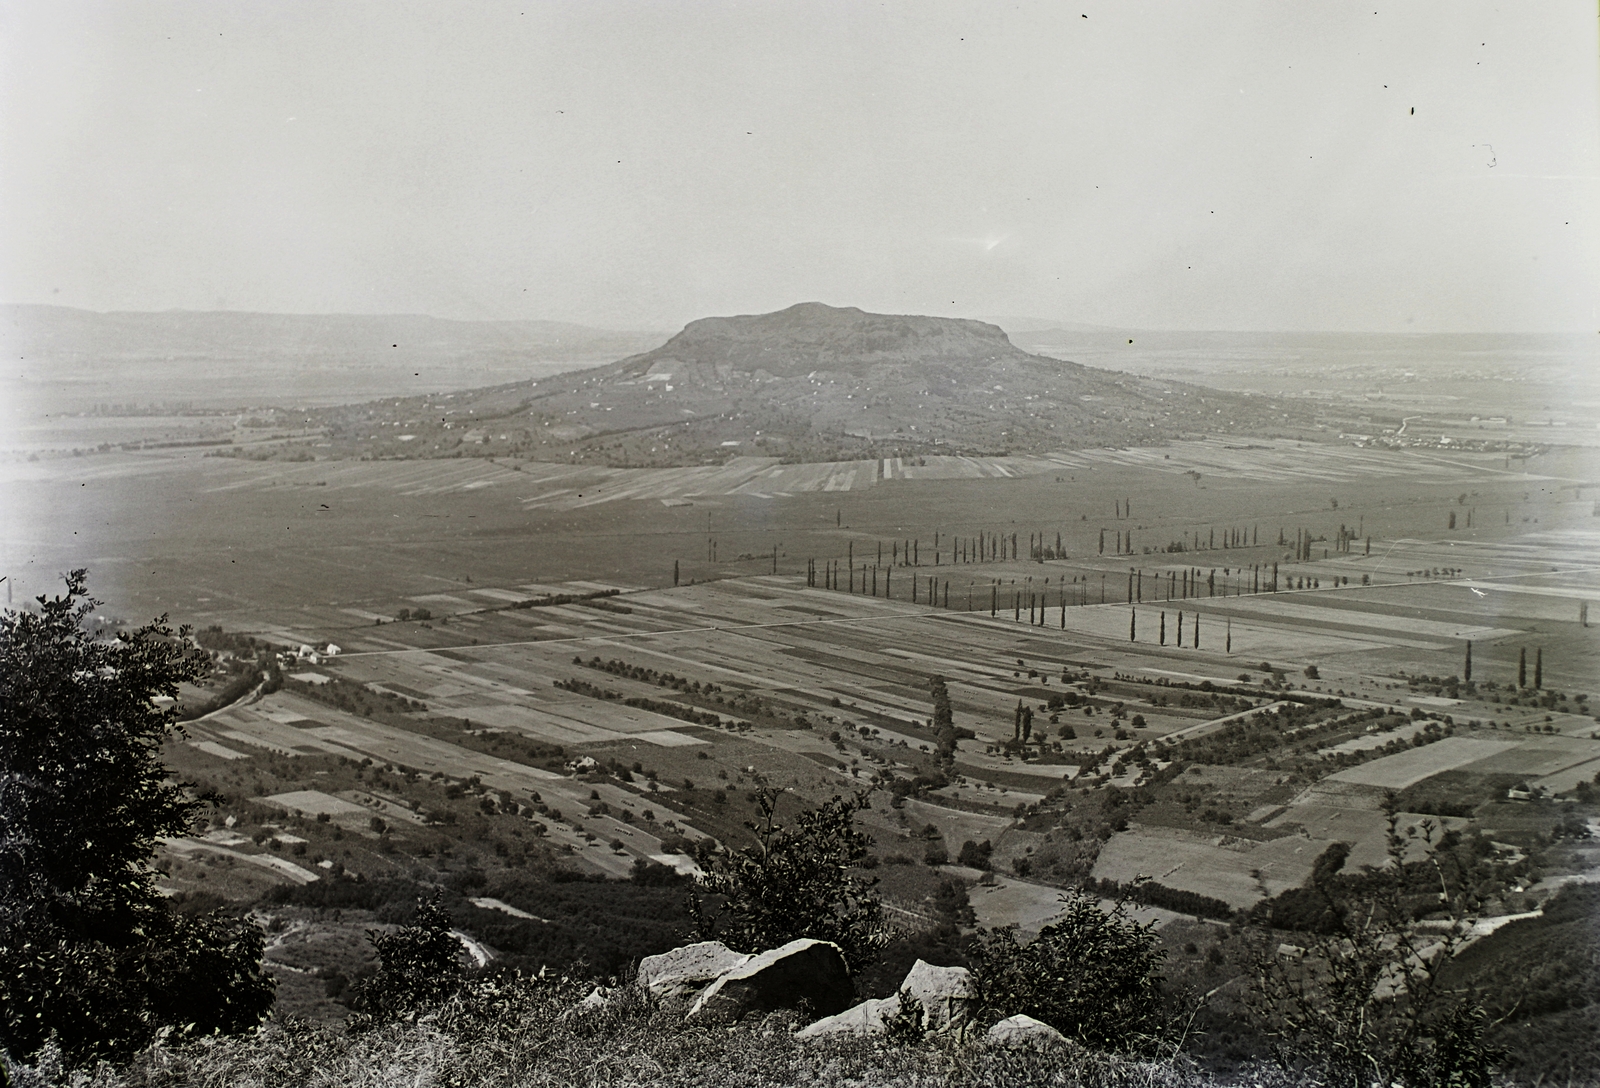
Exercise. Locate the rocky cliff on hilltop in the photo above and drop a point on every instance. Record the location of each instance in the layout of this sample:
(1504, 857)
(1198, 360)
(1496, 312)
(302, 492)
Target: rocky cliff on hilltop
(812, 337)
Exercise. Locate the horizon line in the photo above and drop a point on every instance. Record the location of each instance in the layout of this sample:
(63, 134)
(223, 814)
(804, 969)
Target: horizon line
(1045, 324)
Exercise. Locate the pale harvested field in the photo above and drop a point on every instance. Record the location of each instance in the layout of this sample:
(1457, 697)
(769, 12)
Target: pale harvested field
(1377, 740)
(1331, 793)
(1539, 756)
(1009, 901)
(1298, 607)
(1365, 829)
(1566, 779)
(1203, 864)
(1398, 771)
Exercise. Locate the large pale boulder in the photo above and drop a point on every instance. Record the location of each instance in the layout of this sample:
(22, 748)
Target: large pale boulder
(1022, 1030)
(680, 975)
(947, 994)
(802, 970)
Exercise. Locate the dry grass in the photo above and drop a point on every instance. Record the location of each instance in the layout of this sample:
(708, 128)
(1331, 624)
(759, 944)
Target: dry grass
(525, 1034)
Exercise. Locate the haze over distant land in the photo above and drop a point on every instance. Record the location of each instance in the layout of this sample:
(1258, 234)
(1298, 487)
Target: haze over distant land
(64, 359)
(1233, 165)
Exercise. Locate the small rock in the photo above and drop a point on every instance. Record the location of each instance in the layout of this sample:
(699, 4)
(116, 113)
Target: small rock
(681, 974)
(802, 970)
(1022, 1031)
(596, 999)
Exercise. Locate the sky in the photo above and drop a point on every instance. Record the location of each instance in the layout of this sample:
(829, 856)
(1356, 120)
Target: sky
(1224, 165)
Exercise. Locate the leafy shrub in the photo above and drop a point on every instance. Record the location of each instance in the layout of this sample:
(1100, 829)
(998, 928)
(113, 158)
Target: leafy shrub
(419, 966)
(797, 880)
(1093, 975)
(1362, 1002)
(975, 855)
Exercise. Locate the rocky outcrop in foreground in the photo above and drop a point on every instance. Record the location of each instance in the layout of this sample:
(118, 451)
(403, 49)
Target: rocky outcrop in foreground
(710, 982)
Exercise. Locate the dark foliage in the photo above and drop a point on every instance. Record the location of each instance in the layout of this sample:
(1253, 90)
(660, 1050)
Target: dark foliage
(1149, 893)
(1541, 978)
(797, 880)
(419, 967)
(89, 950)
(1091, 974)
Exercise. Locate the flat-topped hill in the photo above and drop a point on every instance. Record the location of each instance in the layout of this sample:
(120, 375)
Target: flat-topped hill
(808, 383)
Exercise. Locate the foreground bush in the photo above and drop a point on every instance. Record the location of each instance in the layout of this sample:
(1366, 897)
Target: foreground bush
(1364, 999)
(797, 880)
(1093, 975)
(91, 954)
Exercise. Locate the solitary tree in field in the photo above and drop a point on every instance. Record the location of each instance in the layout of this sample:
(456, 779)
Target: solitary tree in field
(1466, 669)
(89, 949)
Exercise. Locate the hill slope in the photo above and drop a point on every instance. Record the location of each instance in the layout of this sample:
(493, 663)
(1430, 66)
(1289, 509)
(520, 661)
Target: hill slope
(811, 382)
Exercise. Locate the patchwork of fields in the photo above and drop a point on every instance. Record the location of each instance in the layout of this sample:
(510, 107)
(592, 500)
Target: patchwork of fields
(1132, 624)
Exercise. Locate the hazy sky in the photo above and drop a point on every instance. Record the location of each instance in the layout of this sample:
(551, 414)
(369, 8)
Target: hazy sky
(1176, 165)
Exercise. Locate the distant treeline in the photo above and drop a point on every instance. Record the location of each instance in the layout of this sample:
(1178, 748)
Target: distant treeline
(556, 599)
(748, 705)
(656, 706)
(354, 698)
(1150, 894)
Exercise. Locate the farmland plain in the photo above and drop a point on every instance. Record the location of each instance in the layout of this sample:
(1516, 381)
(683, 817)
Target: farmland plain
(1228, 651)
(319, 552)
